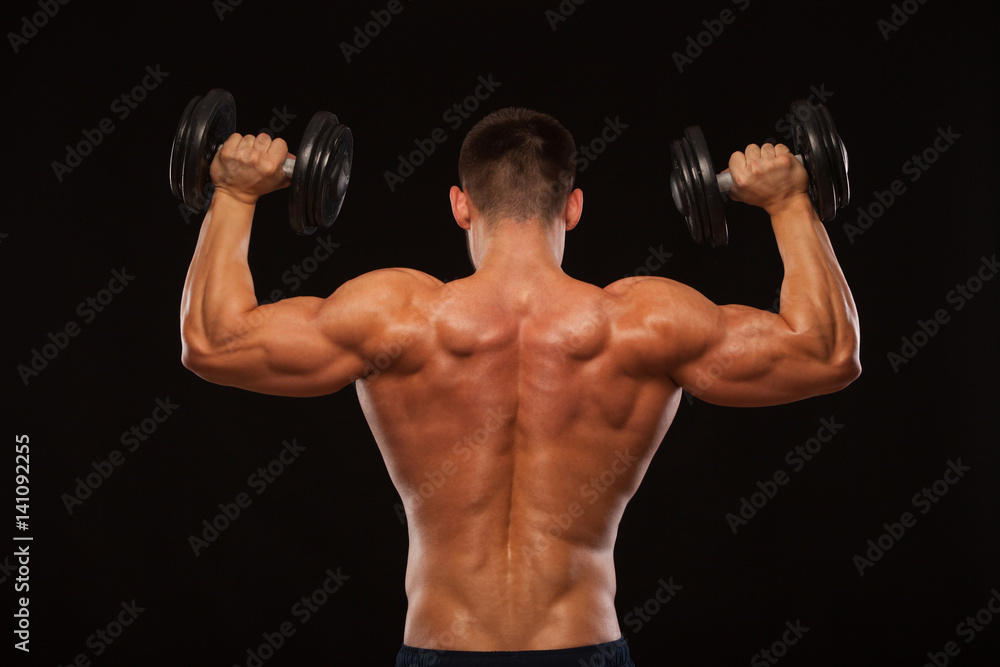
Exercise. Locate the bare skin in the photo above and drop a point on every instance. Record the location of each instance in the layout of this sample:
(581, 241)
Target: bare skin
(518, 409)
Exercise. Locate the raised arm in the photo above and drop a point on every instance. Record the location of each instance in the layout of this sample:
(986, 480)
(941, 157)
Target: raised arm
(742, 356)
(302, 346)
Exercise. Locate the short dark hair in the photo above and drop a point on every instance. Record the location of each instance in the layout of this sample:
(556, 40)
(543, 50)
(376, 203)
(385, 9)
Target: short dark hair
(519, 164)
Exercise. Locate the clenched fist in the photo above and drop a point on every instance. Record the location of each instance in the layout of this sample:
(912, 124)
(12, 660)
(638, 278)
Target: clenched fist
(767, 176)
(247, 167)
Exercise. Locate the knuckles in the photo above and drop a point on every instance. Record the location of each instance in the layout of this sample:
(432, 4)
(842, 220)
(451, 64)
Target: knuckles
(250, 162)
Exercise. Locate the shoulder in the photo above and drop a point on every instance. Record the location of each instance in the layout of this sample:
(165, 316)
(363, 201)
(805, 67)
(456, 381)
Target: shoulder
(656, 294)
(396, 277)
(375, 301)
(662, 320)
(385, 287)
(379, 310)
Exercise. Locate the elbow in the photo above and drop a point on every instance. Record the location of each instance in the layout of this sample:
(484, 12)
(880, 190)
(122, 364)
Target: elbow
(189, 358)
(198, 355)
(195, 355)
(845, 368)
(849, 371)
(837, 361)
(211, 354)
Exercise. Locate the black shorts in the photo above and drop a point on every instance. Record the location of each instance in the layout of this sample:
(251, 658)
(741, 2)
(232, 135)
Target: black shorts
(611, 654)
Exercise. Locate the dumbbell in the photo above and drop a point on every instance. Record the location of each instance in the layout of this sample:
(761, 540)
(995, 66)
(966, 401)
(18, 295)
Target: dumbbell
(697, 190)
(320, 171)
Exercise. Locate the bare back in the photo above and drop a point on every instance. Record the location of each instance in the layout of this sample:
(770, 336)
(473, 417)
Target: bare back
(515, 426)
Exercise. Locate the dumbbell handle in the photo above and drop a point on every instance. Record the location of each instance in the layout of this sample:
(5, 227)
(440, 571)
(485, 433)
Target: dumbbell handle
(725, 179)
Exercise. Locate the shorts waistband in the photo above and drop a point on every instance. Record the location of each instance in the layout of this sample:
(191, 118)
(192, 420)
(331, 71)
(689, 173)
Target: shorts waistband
(610, 654)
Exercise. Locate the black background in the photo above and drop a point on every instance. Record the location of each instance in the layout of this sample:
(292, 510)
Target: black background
(890, 93)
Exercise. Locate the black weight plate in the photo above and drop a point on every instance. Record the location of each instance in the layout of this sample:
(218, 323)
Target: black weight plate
(336, 175)
(323, 158)
(837, 159)
(808, 142)
(714, 221)
(213, 120)
(699, 207)
(298, 198)
(681, 187)
(829, 157)
(178, 149)
(693, 187)
(678, 185)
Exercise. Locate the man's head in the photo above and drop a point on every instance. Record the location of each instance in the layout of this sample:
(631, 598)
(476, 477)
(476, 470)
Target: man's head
(517, 164)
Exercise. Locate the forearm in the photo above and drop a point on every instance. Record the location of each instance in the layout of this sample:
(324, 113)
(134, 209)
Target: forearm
(218, 290)
(815, 298)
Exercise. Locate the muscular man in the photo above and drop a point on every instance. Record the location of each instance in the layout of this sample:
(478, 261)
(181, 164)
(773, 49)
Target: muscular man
(518, 385)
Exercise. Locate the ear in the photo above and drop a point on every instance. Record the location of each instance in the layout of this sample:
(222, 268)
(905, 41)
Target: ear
(460, 207)
(574, 208)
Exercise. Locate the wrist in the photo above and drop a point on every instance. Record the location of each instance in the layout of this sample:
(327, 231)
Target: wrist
(796, 206)
(226, 197)
(230, 212)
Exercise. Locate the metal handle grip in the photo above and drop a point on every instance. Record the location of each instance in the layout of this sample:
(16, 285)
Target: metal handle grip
(725, 179)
